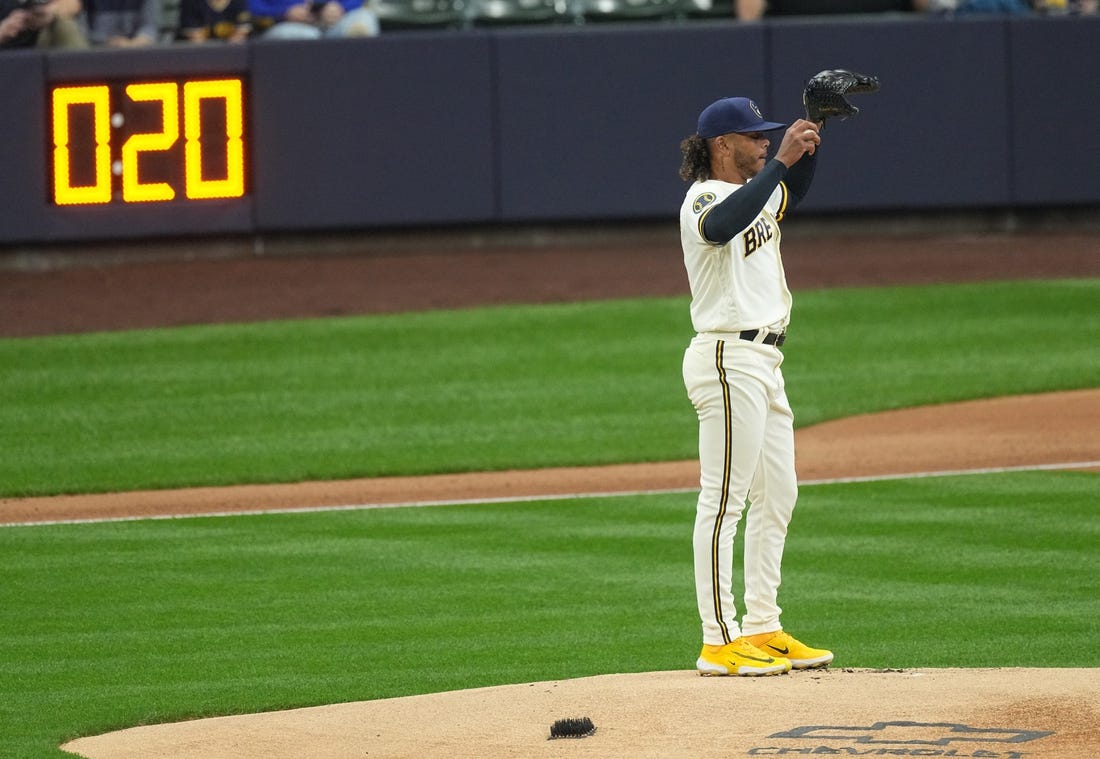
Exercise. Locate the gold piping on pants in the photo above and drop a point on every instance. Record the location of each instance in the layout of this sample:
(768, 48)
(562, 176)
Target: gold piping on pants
(715, 575)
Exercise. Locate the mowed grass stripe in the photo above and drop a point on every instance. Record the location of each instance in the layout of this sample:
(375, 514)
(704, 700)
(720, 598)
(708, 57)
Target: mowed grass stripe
(492, 389)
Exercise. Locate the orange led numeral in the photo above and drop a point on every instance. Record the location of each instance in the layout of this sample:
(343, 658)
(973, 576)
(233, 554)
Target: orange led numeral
(133, 190)
(64, 192)
(194, 93)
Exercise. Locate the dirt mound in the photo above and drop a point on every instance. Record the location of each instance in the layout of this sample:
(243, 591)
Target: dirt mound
(993, 713)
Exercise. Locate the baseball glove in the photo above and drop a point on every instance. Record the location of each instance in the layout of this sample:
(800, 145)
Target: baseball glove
(824, 94)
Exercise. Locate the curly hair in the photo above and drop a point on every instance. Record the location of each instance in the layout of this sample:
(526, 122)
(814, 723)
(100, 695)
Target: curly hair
(696, 163)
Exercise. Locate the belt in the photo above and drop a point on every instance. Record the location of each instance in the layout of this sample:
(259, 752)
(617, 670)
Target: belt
(771, 338)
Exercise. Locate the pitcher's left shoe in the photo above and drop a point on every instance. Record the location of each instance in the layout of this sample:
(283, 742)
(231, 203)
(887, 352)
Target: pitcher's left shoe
(783, 644)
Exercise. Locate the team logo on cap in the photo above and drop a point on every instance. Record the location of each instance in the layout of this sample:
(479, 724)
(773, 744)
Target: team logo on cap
(702, 201)
(756, 110)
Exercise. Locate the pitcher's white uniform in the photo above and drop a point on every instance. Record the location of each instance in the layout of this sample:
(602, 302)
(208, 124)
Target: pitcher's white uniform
(746, 427)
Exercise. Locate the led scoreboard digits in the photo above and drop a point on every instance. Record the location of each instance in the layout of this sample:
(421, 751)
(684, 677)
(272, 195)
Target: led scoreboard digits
(173, 140)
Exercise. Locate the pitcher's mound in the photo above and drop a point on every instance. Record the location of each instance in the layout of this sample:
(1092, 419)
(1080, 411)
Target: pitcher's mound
(990, 713)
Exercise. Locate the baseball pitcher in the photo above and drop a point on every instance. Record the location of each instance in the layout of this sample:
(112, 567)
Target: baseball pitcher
(740, 308)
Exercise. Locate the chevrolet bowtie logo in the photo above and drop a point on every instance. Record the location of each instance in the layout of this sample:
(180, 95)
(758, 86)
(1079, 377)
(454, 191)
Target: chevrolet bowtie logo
(912, 733)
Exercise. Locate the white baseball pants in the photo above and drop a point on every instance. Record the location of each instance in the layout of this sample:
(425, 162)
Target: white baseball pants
(746, 453)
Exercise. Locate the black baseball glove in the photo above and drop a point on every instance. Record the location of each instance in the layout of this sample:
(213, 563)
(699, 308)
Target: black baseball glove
(824, 94)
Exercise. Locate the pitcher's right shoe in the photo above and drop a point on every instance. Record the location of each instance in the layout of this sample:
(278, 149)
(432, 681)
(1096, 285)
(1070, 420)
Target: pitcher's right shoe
(739, 657)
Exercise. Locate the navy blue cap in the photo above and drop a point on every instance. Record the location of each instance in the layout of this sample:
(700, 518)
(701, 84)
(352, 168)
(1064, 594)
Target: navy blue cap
(733, 115)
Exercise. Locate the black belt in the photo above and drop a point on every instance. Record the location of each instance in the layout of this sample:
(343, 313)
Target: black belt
(772, 338)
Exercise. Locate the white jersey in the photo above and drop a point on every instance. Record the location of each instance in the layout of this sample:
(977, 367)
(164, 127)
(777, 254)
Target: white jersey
(738, 285)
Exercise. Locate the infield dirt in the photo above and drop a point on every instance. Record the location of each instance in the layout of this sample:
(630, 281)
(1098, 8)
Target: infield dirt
(989, 713)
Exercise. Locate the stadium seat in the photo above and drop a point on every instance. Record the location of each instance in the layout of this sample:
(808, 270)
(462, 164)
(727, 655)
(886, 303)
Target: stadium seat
(168, 21)
(706, 8)
(502, 12)
(622, 10)
(420, 14)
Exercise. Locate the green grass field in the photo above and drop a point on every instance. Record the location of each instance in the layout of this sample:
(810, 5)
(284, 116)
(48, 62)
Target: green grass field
(493, 388)
(108, 625)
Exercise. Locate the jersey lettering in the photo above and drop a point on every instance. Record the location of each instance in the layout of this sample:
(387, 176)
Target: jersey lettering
(758, 234)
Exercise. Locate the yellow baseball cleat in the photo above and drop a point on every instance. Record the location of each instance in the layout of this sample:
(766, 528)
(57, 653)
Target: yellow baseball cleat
(801, 656)
(739, 657)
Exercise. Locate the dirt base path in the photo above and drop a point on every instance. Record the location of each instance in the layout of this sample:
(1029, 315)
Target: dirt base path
(1057, 429)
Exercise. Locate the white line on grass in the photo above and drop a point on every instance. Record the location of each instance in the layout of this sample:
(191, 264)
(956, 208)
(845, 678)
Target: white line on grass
(557, 496)
(957, 472)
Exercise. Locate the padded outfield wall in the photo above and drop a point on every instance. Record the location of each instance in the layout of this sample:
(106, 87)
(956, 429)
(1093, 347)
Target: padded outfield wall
(546, 124)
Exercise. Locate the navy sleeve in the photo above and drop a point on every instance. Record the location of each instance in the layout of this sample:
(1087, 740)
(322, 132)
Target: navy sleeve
(727, 219)
(799, 178)
(191, 17)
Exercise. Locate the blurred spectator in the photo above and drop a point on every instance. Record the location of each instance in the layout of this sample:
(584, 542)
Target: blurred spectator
(41, 23)
(214, 20)
(296, 20)
(123, 23)
(749, 10)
